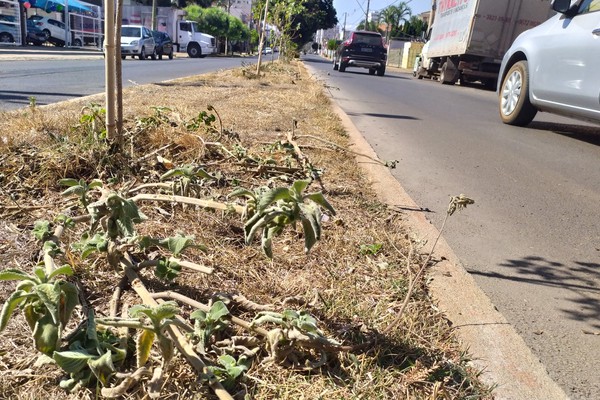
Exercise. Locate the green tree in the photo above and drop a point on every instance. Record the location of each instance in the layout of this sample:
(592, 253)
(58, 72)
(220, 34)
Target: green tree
(414, 27)
(393, 16)
(300, 18)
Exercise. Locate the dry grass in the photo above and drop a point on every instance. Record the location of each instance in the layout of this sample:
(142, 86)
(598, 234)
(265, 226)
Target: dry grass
(353, 294)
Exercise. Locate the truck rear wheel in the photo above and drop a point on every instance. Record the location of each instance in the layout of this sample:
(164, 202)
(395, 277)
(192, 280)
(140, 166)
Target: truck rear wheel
(515, 106)
(194, 51)
(342, 67)
(445, 75)
(381, 70)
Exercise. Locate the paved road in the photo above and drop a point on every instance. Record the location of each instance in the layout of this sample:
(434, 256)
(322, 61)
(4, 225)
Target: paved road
(53, 74)
(532, 240)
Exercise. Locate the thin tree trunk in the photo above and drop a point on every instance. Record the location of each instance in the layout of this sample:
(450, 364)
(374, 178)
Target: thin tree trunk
(119, 69)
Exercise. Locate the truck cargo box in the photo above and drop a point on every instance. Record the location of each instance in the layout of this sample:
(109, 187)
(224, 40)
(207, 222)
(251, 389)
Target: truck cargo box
(484, 28)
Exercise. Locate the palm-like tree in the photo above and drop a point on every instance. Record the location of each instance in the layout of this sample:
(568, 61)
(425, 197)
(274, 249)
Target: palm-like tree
(394, 15)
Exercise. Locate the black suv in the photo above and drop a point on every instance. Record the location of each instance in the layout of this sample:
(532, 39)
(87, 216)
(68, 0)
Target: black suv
(363, 49)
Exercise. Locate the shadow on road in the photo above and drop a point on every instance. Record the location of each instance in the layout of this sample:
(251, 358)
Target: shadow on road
(316, 60)
(377, 115)
(13, 96)
(589, 134)
(359, 72)
(581, 279)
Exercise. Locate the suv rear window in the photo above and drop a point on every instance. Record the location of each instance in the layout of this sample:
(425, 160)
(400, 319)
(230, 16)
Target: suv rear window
(373, 40)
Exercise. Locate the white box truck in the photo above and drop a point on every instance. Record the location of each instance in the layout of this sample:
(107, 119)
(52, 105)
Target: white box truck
(468, 38)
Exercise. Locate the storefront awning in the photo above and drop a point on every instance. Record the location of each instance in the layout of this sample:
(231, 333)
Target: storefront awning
(57, 5)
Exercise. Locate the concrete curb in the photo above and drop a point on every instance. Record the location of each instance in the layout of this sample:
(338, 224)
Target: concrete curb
(494, 344)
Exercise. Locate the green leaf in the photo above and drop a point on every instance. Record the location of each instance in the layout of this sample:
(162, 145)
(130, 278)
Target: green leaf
(218, 311)
(74, 190)
(227, 361)
(91, 333)
(310, 238)
(41, 230)
(16, 298)
(251, 230)
(168, 309)
(241, 192)
(102, 367)
(167, 348)
(267, 243)
(171, 173)
(140, 310)
(167, 269)
(298, 187)
(72, 361)
(95, 183)
(320, 200)
(64, 270)
(68, 182)
(178, 243)
(46, 335)
(13, 274)
(68, 301)
(143, 346)
(271, 196)
(40, 273)
(49, 294)
(146, 242)
(199, 315)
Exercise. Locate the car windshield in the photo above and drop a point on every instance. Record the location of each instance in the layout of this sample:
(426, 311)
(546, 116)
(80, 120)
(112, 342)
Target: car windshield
(131, 31)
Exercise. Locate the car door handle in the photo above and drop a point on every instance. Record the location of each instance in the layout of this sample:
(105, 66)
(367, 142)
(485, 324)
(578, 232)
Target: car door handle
(596, 32)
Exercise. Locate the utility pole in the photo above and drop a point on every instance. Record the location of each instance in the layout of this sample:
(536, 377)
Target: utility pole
(344, 30)
(367, 16)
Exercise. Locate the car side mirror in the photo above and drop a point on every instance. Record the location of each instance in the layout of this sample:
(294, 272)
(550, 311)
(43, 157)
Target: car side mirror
(564, 7)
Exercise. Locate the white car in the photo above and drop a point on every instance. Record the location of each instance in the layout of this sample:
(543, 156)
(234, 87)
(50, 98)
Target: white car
(137, 40)
(55, 30)
(554, 67)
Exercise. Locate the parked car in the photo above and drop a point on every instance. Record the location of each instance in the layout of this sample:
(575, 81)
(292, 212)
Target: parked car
(8, 33)
(364, 49)
(164, 44)
(554, 67)
(268, 50)
(55, 30)
(35, 35)
(137, 40)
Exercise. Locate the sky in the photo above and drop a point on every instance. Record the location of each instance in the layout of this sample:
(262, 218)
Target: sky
(356, 9)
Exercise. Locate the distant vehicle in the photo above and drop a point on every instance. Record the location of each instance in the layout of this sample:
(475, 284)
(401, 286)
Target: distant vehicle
(185, 34)
(554, 67)
(35, 35)
(55, 30)
(137, 40)
(164, 44)
(8, 33)
(268, 50)
(364, 49)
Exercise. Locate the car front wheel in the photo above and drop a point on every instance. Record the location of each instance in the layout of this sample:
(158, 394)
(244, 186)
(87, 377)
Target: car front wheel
(143, 54)
(515, 106)
(6, 38)
(171, 54)
(335, 65)
(342, 67)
